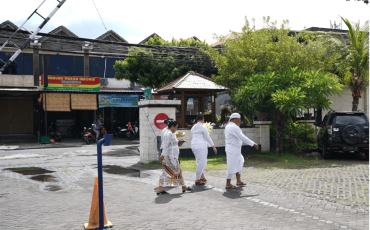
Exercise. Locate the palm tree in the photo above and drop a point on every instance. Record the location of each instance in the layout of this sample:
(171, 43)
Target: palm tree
(353, 60)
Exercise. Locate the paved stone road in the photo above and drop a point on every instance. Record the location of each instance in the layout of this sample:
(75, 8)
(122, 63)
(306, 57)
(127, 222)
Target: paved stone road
(342, 182)
(131, 202)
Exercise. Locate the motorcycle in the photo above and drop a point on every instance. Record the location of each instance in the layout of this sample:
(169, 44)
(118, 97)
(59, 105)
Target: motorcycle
(117, 129)
(89, 135)
(53, 133)
(132, 131)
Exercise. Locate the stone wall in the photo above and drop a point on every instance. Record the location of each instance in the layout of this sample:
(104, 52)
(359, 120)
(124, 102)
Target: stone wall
(16, 80)
(218, 136)
(148, 138)
(149, 132)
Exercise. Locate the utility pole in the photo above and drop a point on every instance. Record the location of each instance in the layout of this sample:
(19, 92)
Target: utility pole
(32, 36)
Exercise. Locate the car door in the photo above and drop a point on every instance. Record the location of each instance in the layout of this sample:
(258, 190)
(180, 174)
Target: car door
(322, 130)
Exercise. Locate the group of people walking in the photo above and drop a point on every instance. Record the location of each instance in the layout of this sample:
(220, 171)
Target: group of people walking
(171, 172)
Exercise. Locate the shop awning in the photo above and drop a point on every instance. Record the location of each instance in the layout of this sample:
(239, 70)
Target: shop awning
(83, 101)
(57, 102)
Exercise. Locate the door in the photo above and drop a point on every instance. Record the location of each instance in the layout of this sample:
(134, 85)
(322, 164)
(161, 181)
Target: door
(16, 116)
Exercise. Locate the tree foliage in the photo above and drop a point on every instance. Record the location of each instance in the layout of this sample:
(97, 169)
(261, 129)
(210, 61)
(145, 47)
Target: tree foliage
(267, 49)
(352, 63)
(155, 67)
(288, 92)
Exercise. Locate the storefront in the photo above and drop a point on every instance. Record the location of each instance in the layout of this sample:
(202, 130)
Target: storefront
(18, 110)
(118, 107)
(78, 101)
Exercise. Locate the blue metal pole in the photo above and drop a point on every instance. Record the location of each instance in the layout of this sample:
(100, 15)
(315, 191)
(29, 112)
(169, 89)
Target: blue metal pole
(106, 141)
(100, 184)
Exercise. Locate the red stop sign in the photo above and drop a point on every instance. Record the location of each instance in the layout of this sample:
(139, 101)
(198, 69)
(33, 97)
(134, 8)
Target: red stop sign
(159, 120)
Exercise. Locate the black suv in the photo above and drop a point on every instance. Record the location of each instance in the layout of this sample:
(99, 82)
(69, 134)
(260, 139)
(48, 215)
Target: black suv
(343, 131)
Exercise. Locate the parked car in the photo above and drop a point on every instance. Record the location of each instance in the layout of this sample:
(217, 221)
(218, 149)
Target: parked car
(343, 132)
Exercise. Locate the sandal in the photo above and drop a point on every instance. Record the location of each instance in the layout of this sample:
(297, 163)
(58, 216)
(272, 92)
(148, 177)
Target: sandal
(241, 184)
(230, 187)
(163, 192)
(200, 182)
(188, 189)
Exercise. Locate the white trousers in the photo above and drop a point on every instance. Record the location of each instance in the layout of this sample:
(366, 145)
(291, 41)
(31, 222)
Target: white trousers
(200, 154)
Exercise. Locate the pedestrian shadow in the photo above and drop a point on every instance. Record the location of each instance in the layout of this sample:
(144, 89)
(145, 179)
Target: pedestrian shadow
(197, 189)
(236, 193)
(166, 198)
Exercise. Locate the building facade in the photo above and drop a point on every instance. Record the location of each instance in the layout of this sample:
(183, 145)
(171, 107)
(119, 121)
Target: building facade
(62, 54)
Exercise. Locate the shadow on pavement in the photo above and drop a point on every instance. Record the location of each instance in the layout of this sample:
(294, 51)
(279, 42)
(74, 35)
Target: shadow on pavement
(166, 198)
(236, 193)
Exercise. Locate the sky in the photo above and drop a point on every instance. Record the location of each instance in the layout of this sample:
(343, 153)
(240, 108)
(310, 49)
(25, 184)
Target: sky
(135, 20)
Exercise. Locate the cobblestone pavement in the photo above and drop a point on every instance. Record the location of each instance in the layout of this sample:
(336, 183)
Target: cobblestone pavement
(131, 201)
(341, 182)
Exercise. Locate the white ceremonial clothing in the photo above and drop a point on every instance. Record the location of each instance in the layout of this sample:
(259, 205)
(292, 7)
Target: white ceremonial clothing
(171, 172)
(199, 147)
(234, 139)
(164, 131)
(224, 125)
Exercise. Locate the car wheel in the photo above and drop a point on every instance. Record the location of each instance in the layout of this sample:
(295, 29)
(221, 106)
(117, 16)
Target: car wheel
(326, 154)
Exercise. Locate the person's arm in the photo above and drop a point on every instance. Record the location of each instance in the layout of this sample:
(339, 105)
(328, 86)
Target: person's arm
(238, 132)
(206, 136)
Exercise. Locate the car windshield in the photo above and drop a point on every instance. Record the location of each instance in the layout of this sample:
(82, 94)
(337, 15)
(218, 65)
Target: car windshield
(350, 119)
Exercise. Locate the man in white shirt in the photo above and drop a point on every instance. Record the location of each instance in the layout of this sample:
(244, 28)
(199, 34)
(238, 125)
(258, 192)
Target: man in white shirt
(234, 139)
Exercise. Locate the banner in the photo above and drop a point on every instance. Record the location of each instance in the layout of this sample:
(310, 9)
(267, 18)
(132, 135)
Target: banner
(72, 83)
(118, 100)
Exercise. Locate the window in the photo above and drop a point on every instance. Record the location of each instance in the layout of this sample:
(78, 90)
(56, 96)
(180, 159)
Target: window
(353, 119)
(22, 65)
(62, 65)
(79, 66)
(94, 67)
(27, 64)
(98, 66)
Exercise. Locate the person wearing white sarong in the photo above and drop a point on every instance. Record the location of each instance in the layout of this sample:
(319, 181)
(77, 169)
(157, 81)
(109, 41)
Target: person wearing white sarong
(171, 171)
(234, 139)
(200, 149)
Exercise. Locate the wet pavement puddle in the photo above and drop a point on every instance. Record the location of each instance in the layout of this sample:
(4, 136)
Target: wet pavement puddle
(38, 174)
(118, 170)
(29, 170)
(43, 178)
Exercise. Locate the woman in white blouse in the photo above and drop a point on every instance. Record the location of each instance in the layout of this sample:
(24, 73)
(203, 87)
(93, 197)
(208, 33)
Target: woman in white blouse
(171, 172)
(200, 149)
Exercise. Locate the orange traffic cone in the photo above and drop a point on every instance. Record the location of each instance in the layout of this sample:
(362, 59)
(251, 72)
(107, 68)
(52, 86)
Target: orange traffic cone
(94, 212)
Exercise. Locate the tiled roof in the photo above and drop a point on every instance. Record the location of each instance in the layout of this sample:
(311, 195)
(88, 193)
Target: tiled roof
(8, 23)
(63, 29)
(191, 80)
(112, 34)
(231, 36)
(147, 39)
(60, 29)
